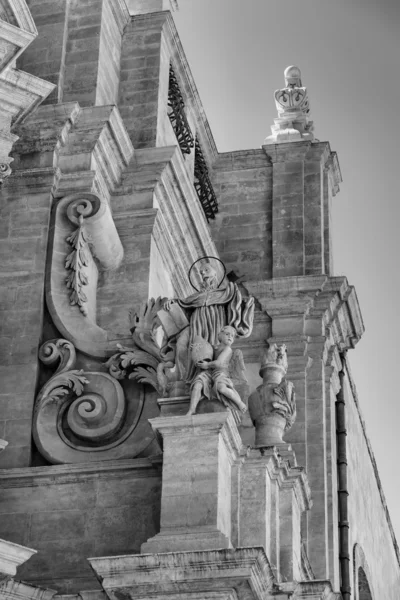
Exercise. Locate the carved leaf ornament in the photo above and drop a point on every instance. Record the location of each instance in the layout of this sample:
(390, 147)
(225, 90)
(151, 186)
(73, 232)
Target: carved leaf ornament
(148, 361)
(77, 260)
(81, 413)
(75, 263)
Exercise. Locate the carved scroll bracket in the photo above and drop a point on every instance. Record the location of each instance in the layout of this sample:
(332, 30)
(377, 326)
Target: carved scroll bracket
(83, 239)
(84, 416)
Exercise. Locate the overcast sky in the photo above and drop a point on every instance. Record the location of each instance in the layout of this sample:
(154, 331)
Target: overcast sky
(349, 55)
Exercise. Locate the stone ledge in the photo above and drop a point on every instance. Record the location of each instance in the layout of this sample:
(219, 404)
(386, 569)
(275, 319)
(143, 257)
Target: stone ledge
(246, 570)
(38, 476)
(12, 556)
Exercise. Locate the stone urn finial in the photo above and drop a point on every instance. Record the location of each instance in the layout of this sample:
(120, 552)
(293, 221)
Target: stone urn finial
(272, 406)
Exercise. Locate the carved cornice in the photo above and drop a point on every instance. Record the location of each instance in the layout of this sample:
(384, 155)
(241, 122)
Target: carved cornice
(17, 590)
(310, 590)
(72, 473)
(11, 557)
(316, 307)
(246, 570)
(121, 13)
(20, 92)
(89, 146)
(17, 13)
(161, 176)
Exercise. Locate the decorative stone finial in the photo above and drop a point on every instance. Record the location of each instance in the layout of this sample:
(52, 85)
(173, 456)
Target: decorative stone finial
(272, 406)
(293, 123)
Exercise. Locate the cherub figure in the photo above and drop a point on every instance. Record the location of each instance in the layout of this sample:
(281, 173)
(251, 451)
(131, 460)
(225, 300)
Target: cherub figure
(213, 378)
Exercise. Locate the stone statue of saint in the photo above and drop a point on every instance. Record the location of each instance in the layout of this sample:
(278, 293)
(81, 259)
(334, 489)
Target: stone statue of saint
(209, 310)
(213, 377)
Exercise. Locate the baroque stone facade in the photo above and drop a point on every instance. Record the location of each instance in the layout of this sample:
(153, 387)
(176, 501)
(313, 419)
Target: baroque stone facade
(178, 412)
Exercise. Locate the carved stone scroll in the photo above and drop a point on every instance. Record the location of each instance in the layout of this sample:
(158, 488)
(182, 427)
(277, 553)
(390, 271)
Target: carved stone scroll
(83, 416)
(83, 239)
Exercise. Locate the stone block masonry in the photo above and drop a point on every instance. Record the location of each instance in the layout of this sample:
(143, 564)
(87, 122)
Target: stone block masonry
(23, 243)
(78, 49)
(68, 513)
(243, 226)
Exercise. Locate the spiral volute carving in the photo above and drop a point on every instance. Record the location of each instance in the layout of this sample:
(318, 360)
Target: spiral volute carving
(82, 415)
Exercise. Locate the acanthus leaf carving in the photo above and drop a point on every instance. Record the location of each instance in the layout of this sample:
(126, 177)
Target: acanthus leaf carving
(148, 361)
(75, 263)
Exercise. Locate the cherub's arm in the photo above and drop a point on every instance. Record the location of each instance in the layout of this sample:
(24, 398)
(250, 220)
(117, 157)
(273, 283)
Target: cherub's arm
(221, 361)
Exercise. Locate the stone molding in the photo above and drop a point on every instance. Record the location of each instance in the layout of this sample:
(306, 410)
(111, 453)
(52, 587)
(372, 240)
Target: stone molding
(160, 174)
(202, 424)
(20, 92)
(71, 473)
(313, 306)
(89, 147)
(17, 13)
(17, 590)
(245, 570)
(121, 13)
(139, 7)
(316, 589)
(12, 556)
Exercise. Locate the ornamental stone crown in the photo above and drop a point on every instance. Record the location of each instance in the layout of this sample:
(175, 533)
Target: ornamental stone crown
(293, 123)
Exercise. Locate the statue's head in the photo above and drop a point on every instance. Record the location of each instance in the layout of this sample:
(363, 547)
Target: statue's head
(227, 335)
(209, 276)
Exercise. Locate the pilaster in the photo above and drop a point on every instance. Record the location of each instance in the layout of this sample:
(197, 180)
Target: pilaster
(314, 316)
(274, 494)
(305, 175)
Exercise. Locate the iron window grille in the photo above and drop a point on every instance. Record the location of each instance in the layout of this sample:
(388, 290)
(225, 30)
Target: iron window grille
(202, 184)
(177, 114)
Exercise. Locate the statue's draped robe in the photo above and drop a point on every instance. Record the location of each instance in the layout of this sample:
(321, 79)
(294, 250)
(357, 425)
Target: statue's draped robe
(210, 310)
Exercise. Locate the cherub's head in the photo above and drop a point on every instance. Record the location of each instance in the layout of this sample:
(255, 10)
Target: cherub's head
(227, 335)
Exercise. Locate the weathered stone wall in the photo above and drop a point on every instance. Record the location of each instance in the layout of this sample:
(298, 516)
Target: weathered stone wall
(368, 517)
(24, 217)
(78, 49)
(70, 513)
(46, 56)
(243, 226)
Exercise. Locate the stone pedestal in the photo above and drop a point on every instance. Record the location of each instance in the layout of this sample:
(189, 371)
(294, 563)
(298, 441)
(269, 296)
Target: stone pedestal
(199, 452)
